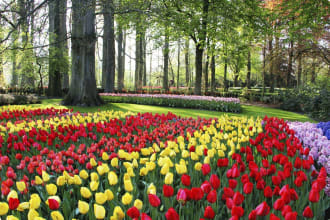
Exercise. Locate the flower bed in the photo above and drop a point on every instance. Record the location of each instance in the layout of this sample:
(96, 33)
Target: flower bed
(191, 101)
(325, 126)
(116, 165)
(312, 137)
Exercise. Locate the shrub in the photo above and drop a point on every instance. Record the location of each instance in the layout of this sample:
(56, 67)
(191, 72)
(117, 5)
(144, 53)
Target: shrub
(10, 99)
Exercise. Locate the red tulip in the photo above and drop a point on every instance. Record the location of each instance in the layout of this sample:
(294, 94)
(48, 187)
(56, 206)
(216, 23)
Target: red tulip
(222, 162)
(279, 204)
(263, 209)
(208, 212)
(238, 198)
(291, 216)
(181, 196)
(248, 187)
(273, 217)
(168, 191)
(253, 215)
(144, 216)
(232, 183)
(268, 193)
(215, 181)
(197, 193)
(206, 169)
(154, 200)
(185, 179)
(229, 203)
(212, 196)
(308, 213)
(314, 195)
(133, 212)
(171, 214)
(237, 211)
(227, 193)
(286, 209)
(13, 203)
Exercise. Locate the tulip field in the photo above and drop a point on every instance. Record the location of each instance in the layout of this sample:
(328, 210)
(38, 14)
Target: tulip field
(59, 164)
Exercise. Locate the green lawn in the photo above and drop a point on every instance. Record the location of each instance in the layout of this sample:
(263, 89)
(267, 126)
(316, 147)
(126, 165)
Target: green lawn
(247, 110)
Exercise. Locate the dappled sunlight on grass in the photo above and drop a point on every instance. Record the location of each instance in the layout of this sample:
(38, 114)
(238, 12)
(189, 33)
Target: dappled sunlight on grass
(248, 110)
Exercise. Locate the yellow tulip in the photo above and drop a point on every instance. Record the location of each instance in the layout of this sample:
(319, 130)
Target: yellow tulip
(21, 186)
(144, 171)
(102, 170)
(45, 176)
(168, 178)
(100, 198)
(12, 194)
(32, 214)
(112, 178)
(38, 180)
(94, 185)
(60, 181)
(198, 166)
(77, 180)
(56, 215)
(22, 206)
(94, 177)
(93, 162)
(11, 217)
(83, 174)
(99, 211)
(34, 201)
(105, 156)
(152, 189)
(108, 193)
(138, 204)
(83, 207)
(114, 162)
(118, 213)
(165, 169)
(85, 192)
(3, 208)
(51, 189)
(127, 198)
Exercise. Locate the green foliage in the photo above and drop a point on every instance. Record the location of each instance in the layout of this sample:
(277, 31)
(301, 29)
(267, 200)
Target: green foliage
(178, 103)
(315, 101)
(9, 99)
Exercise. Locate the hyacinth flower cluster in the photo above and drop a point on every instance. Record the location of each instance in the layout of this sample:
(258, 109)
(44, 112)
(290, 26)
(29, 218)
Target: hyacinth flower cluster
(115, 165)
(325, 126)
(169, 96)
(311, 136)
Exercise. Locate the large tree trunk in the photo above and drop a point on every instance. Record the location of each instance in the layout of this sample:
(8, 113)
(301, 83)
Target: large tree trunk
(83, 85)
(288, 76)
(64, 45)
(271, 63)
(299, 71)
(137, 58)
(2, 78)
(199, 69)
(248, 75)
(55, 61)
(166, 59)
(109, 59)
(206, 74)
(264, 68)
(186, 59)
(120, 57)
(178, 73)
(225, 82)
(213, 73)
(13, 54)
(144, 60)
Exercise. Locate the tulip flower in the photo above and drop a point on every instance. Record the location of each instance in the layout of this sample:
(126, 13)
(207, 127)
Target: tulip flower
(133, 212)
(209, 212)
(171, 214)
(154, 200)
(83, 207)
(99, 211)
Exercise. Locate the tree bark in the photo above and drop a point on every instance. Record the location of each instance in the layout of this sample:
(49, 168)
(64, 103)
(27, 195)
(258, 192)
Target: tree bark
(64, 45)
(271, 63)
(144, 60)
(263, 68)
(248, 75)
(213, 73)
(120, 57)
(83, 85)
(166, 59)
(178, 73)
(55, 61)
(186, 59)
(206, 74)
(299, 70)
(288, 76)
(199, 69)
(109, 57)
(225, 72)
(137, 58)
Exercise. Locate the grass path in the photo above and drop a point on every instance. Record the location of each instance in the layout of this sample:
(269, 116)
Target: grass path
(248, 110)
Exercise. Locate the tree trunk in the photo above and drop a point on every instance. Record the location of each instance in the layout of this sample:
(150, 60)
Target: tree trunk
(186, 59)
(54, 71)
(236, 78)
(213, 73)
(109, 57)
(137, 58)
(299, 70)
(83, 85)
(271, 64)
(264, 69)
(199, 69)
(178, 73)
(64, 45)
(206, 74)
(225, 72)
(120, 56)
(144, 60)
(313, 76)
(288, 76)
(166, 59)
(248, 75)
